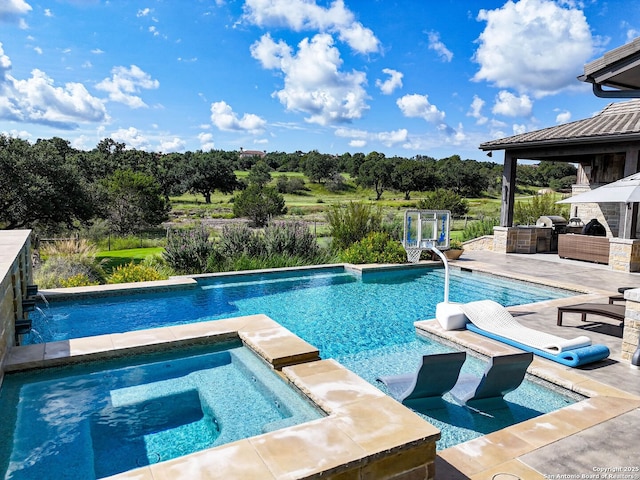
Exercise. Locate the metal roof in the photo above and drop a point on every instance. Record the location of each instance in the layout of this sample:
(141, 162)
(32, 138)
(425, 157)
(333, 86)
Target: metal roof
(617, 122)
(619, 70)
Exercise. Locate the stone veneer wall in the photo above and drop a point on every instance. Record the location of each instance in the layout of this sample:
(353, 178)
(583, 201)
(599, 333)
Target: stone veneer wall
(606, 213)
(504, 239)
(15, 274)
(481, 243)
(631, 332)
(624, 254)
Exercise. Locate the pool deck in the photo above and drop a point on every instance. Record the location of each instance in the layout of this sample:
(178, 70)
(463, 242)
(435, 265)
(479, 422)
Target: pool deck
(579, 441)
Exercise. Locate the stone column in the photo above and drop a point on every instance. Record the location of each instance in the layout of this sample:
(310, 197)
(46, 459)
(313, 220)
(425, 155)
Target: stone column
(504, 239)
(624, 254)
(631, 334)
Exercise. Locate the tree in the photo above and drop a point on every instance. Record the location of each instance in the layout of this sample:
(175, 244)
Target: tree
(135, 202)
(442, 199)
(260, 174)
(260, 204)
(38, 189)
(375, 172)
(413, 175)
(211, 171)
(320, 167)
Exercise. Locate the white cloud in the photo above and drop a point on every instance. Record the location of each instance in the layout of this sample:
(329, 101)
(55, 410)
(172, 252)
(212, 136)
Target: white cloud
(38, 50)
(143, 12)
(418, 106)
(313, 82)
(97, 51)
(223, 117)
(48, 12)
(125, 83)
(476, 110)
(131, 137)
(533, 46)
(38, 100)
(518, 129)
(174, 144)
(360, 138)
(206, 141)
(307, 15)
(440, 48)
(12, 10)
(390, 84)
(512, 106)
(563, 117)
(392, 138)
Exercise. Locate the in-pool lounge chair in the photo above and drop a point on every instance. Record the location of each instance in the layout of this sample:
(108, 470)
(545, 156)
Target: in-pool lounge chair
(609, 310)
(504, 374)
(424, 388)
(492, 320)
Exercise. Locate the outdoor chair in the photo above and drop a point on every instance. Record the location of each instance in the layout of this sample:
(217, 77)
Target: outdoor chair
(504, 374)
(424, 388)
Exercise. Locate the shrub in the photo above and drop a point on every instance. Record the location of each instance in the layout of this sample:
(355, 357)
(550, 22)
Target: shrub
(134, 273)
(443, 199)
(377, 247)
(479, 228)
(57, 271)
(352, 222)
(187, 251)
(239, 239)
(527, 213)
(259, 204)
(158, 263)
(69, 263)
(290, 238)
(78, 280)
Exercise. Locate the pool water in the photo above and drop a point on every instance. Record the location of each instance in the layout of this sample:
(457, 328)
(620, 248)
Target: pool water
(99, 419)
(337, 311)
(363, 321)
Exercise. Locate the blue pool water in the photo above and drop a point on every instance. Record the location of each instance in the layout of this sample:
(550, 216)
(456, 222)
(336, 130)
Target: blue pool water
(99, 419)
(363, 321)
(336, 311)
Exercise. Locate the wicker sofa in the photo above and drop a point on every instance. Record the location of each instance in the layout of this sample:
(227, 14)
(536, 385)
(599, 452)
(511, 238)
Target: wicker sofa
(584, 247)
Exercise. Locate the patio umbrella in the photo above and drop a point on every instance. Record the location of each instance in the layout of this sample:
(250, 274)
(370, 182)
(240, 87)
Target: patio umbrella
(626, 190)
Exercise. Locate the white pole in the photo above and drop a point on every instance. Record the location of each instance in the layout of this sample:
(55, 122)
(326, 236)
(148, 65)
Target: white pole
(446, 272)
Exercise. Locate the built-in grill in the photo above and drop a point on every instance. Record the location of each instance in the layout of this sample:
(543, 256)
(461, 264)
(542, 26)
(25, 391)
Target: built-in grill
(558, 226)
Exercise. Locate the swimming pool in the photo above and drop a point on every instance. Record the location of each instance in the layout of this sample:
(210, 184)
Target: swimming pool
(98, 419)
(364, 321)
(338, 311)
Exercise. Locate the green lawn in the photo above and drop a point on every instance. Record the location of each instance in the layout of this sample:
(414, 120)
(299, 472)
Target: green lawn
(115, 258)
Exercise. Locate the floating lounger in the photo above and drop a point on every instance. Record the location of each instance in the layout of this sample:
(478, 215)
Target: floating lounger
(492, 320)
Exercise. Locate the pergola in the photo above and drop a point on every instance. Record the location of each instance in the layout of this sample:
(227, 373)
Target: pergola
(605, 145)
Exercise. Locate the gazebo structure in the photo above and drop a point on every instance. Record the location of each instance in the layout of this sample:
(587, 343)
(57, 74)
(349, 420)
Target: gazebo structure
(605, 147)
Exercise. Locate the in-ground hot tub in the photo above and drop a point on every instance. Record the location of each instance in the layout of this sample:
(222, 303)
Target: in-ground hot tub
(102, 418)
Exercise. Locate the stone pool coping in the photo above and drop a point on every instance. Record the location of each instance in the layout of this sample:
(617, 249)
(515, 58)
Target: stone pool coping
(498, 452)
(366, 434)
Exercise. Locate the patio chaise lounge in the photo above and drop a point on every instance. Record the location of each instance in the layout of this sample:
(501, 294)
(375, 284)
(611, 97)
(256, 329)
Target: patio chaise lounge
(504, 374)
(424, 389)
(609, 310)
(492, 320)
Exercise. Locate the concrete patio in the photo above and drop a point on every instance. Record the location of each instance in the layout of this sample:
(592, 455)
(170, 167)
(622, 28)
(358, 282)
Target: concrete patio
(604, 447)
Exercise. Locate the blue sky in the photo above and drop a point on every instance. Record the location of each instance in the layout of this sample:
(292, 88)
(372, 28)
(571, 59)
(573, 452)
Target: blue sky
(404, 77)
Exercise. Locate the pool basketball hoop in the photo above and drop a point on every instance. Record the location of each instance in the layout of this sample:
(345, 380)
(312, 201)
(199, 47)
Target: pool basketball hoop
(425, 230)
